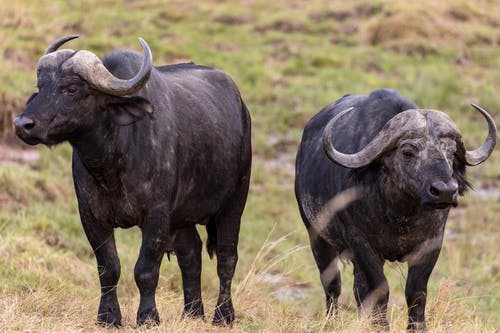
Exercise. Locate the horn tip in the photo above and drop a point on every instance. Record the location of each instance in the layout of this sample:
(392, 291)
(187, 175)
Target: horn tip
(58, 42)
(67, 38)
(477, 107)
(142, 41)
(146, 49)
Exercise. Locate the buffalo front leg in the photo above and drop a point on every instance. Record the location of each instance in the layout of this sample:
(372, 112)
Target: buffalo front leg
(187, 248)
(420, 267)
(371, 288)
(371, 298)
(147, 269)
(108, 266)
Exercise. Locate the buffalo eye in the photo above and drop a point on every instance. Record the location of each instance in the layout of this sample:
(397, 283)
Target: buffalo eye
(70, 90)
(409, 151)
(408, 154)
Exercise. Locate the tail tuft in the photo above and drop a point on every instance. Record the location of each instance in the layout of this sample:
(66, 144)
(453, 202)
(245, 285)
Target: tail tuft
(211, 239)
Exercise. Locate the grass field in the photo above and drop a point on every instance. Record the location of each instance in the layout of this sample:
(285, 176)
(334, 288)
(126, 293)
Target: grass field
(289, 58)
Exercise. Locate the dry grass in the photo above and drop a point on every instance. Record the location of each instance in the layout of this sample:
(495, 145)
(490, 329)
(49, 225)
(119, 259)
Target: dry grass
(426, 26)
(63, 298)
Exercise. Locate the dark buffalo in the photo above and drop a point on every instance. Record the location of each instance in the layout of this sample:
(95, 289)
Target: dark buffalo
(161, 148)
(375, 180)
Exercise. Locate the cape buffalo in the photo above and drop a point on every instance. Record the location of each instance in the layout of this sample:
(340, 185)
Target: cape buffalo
(161, 148)
(375, 180)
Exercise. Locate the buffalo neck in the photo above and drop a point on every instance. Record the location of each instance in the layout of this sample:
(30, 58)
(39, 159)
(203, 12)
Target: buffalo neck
(101, 154)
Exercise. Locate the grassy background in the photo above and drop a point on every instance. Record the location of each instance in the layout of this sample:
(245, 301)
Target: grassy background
(289, 58)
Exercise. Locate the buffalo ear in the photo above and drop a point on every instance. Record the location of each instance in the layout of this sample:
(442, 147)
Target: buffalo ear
(128, 110)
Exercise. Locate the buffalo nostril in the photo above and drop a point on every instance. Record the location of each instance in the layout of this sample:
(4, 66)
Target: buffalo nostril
(434, 191)
(29, 126)
(24, 123)
(444, 192)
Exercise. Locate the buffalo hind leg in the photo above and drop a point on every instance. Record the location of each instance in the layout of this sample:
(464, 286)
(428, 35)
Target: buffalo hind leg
(108, 266)
(227, 257)
(187, 248)
(326, 257)
(227, 224)
(147, 269)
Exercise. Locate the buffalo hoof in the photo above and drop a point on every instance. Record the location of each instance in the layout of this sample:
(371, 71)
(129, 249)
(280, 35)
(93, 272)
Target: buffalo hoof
(148, 318)
(110, 316)
(194, 312)
(224, 315)
(416, 327)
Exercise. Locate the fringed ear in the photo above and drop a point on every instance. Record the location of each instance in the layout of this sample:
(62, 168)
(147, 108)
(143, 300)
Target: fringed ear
(459, 169)
(128, 110)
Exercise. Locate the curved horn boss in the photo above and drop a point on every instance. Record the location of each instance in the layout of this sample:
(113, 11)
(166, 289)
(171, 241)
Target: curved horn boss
(383, 141)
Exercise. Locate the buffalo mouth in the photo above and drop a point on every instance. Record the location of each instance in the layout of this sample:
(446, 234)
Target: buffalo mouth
(27, 138)
(438, 205)
(33, 140)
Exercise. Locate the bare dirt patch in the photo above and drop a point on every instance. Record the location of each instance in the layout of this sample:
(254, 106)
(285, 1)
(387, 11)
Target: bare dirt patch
(285, 288)
(229, 19)
(283, 26)
(364, 11)
(283, 159)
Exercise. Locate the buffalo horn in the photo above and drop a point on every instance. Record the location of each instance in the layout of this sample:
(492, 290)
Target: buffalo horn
(57, 43)
(475, 157)
(386, 139)
(91, 69)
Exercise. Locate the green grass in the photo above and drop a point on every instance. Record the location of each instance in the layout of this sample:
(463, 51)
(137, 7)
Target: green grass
(290, 59)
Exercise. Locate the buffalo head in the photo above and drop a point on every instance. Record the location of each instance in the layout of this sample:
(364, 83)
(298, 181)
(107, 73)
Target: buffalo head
(74, 87)
(421, 155)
